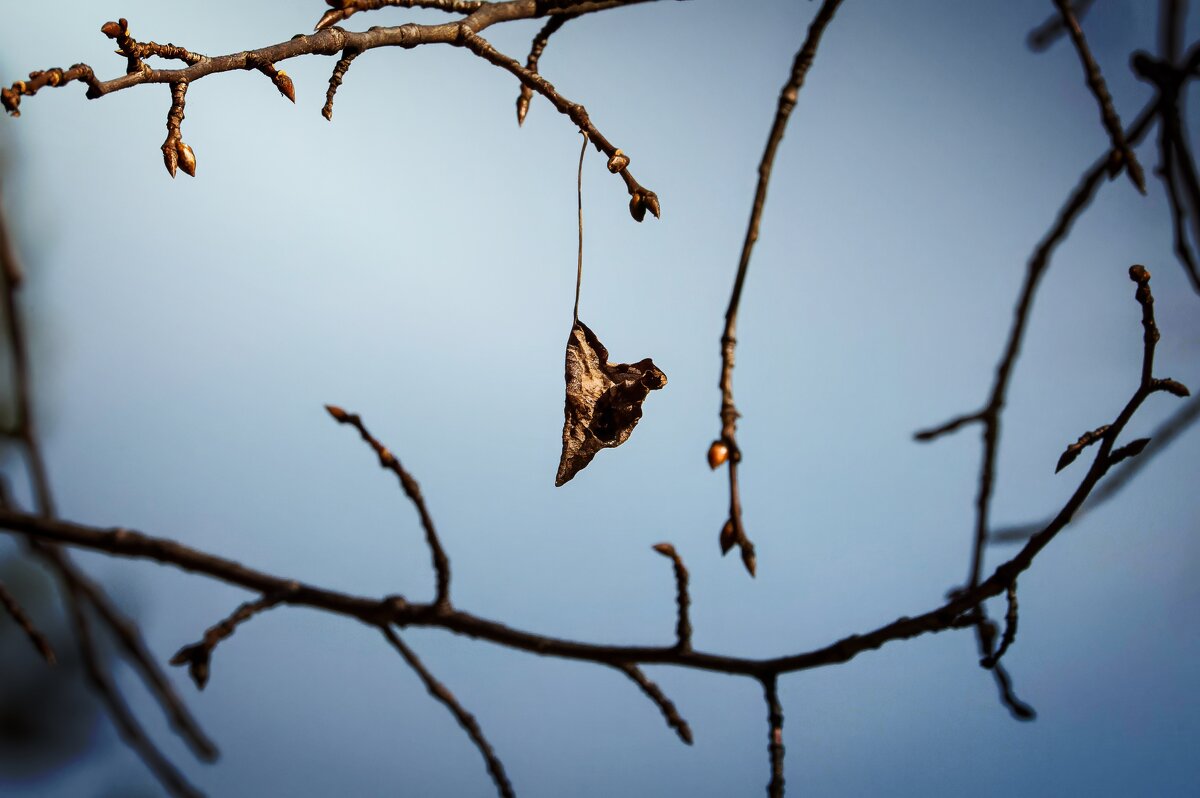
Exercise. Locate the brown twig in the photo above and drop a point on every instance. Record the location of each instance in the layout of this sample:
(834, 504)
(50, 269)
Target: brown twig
(1108, 114)
(774, 736)
(1046, 34)
(531, 63)
(14, 609)
(123, 718)
(734, 530)
(340, 10)
(198, 656)
(335, 80)
(683, 626)
(654, 693)
(387, 460)
(1010, 629)
(464, 718)
(330, 40)
(1160, 439)
(76, 586)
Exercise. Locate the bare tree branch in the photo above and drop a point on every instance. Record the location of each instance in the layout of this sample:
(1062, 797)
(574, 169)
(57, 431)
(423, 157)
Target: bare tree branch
(734, 531)
(464, 718)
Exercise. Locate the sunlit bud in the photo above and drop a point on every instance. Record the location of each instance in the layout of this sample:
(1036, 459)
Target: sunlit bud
(187, 158)
(718, 453)
(617, 162)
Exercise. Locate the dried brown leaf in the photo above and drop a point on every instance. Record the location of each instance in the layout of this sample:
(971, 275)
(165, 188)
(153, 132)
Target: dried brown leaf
(604, 400)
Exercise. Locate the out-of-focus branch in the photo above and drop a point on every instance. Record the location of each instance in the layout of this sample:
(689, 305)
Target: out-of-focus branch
(725, 449)
(1046, 34)
(10, 604)
(531, 63)
(464, 718)
(198, 656)
(1108, 114)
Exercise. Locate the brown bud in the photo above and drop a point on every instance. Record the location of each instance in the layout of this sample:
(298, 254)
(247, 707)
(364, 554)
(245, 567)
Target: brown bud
(651, 200)
(1174, 387)
(749, 560)
(1139, 273)
(637, 208)
(187, 158)
(522, 108)
(11, 100)
(665, 549)
(617, 162)
(285, 85)
(111, 29)
(338, 413)
(728, 537)
(329, 18)
(170, 157)
(718, 453)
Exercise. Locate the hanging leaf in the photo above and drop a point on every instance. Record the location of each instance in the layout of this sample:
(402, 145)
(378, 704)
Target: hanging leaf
(604, 400)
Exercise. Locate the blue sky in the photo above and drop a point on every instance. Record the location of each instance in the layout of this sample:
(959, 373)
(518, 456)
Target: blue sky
(414, 261)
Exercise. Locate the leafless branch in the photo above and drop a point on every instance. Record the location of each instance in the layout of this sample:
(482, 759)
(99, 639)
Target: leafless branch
(464, 718)
(683, 627)
(197, 656)
(1046, 34)
(387, 460)
(734, 531)
(18, 614)
(655, 694)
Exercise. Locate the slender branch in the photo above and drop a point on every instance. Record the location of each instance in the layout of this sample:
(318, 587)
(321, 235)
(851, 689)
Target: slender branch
(197, 656)
(1046, 34)
(329, 40)
(954, 424)
(387, 460)
(531, 63)
(1010, 629)
(335, 80)
(76, 585)
(127, 725)
(729, 414)
(774, 736)
(18, 614)
(464, 718)
(683, 626)
(654, 693)
(1108, 114)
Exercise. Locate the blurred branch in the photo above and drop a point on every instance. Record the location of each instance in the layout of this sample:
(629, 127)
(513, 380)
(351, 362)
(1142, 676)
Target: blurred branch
(1123, 153)
(1046, 34)
(18, 614)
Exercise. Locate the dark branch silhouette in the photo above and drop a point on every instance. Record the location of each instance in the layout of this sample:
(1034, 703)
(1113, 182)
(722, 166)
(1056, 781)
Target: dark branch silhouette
(1113, 461)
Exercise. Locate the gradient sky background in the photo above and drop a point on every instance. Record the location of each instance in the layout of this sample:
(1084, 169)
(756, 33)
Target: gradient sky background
(413, 261)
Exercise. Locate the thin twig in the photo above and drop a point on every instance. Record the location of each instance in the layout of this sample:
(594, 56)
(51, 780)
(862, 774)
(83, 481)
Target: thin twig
(683, 626)
(464, 718)
(198, 656)
(387, 460)
(774, 736)
(1046, 34)
(14, 609)
(729, 414)
(127, 726)
(335, 80)
(531, 63)
(654, 693)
